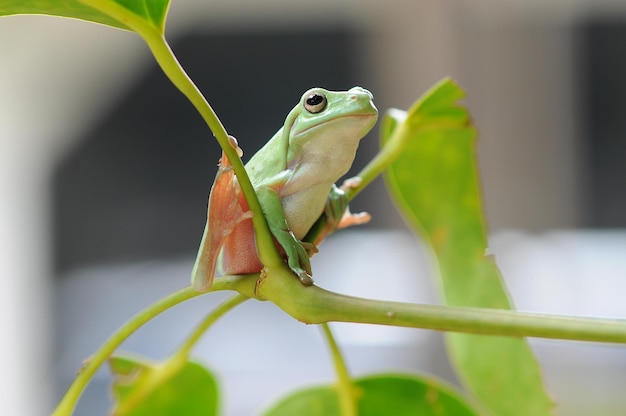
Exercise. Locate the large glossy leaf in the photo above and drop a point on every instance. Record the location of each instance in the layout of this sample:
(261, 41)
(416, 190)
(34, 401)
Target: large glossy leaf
(435, 184)
(380, 395)
(152, 12)
(143, 388)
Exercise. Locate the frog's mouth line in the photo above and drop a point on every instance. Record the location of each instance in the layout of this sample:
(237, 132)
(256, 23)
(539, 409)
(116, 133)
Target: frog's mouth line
(337, 118)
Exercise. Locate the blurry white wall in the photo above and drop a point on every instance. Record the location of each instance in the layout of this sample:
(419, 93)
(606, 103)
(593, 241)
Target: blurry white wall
(48, 86)
(56, 76)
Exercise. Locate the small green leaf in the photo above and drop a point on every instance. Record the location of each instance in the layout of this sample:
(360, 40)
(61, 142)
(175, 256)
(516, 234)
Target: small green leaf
(435, 184)
(64, 8)
(153, 11)
(143, 388)
(114, 13)
(380, 395)
(314, 401)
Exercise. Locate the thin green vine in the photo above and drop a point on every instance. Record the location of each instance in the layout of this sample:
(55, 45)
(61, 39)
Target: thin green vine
(243, 284)
(155, 39)
(345, 387)
(185, 349)
(179, 358)
(265, 244)
(69, 400)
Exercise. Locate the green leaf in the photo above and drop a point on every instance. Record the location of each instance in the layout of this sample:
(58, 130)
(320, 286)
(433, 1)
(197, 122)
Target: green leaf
(435, 184)
(116, 13)
(153, 11)
(143, 388)
(380, 395)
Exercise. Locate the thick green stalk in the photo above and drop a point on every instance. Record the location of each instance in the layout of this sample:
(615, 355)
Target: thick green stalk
(314, 305)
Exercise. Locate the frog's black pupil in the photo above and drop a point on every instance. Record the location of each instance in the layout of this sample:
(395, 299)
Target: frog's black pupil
(315, 99)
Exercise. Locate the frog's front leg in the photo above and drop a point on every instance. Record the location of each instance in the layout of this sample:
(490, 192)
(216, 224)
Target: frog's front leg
(337, 212)
(297, 257)
(337, 209)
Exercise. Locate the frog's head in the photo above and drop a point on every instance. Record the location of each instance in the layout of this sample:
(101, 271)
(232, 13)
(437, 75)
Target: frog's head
(350, 113)
(323, 131)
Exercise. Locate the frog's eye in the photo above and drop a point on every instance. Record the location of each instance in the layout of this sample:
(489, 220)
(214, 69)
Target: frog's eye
(315, 102)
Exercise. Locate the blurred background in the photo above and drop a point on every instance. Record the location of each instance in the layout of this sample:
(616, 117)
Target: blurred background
(105, 170)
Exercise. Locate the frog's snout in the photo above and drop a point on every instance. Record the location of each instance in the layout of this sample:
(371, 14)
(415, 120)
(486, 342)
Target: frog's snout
(359, 91)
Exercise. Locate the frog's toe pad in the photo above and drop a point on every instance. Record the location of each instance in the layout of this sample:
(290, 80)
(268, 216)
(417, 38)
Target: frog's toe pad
(310, 248)
(305, 278)
(351, 183)
(350, 219)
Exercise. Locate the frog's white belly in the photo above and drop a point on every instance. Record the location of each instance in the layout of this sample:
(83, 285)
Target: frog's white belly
(318, 165)
(303, 208)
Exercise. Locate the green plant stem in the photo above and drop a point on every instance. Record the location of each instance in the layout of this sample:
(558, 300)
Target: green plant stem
(347, 401)
(178, 359)
(267, 250)
(69, 400)
(268, 254)
(154, 38)
(314, 305)
(243, 284)
(206, 323)
(379, 163)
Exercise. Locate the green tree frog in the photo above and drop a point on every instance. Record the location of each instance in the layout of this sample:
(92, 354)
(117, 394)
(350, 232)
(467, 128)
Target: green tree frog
(294, 177)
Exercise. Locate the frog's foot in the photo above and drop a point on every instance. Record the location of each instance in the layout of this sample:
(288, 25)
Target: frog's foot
(336, 206)
(292, 248)
(232, 141)
(310, 248)
(305, 279)
(296, 254)
(337, 211)
(349, 219)
(298, 260)
(351, 183)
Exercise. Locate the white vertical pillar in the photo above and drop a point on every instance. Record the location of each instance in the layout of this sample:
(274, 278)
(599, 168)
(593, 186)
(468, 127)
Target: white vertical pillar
(55, 77)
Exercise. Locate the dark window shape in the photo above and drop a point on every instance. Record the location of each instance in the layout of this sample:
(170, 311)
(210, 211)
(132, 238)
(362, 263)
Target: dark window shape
(603, 104)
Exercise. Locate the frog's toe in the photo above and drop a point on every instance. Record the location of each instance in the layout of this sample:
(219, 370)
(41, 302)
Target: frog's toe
(305, 278)
(310, 248)
(349, 219)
